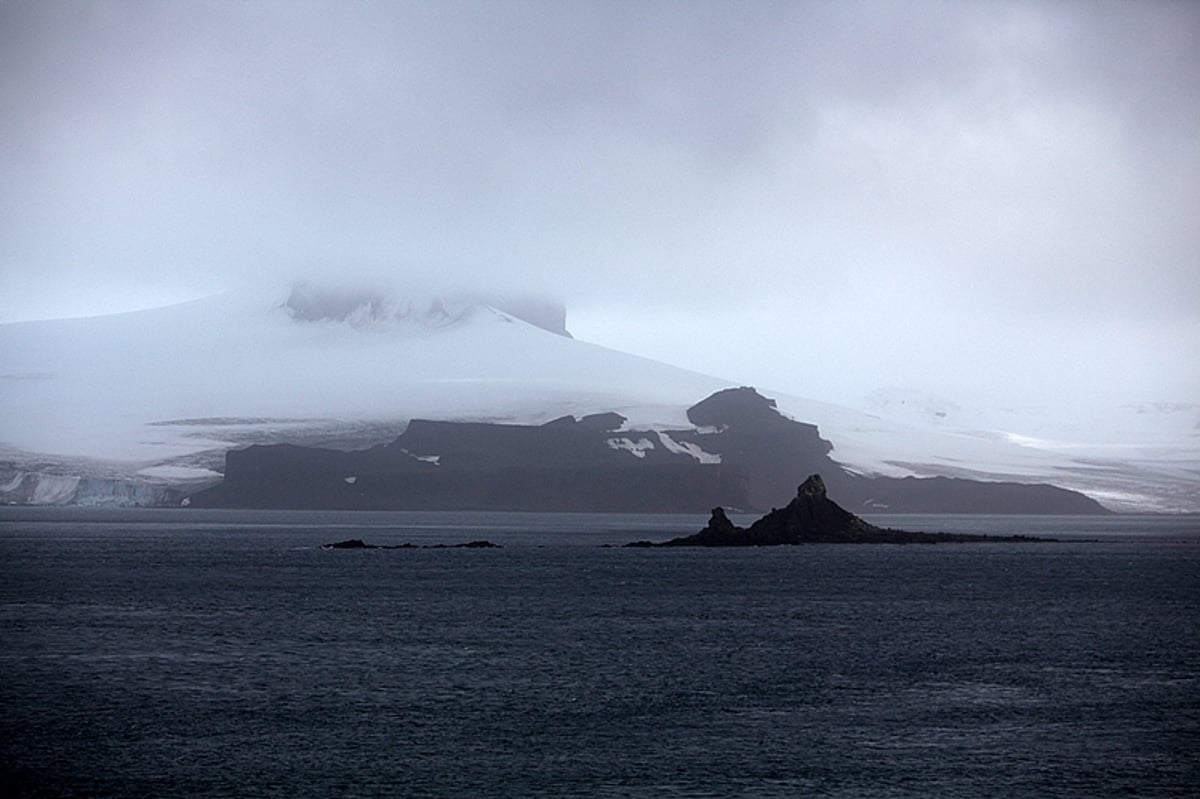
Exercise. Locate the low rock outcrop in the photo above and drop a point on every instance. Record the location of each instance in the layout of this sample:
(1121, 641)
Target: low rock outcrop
(811, 518)
(358, 543)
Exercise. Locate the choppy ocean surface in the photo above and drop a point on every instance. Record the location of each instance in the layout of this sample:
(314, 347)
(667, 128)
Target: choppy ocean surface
(214, 653)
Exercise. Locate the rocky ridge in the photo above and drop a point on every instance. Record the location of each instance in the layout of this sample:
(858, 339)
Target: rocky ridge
(811, 518)
(741, 452)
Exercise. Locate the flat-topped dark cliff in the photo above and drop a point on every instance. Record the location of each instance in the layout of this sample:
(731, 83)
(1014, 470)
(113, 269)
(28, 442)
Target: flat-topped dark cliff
(568, 464)
(810, 518)
(741, 453)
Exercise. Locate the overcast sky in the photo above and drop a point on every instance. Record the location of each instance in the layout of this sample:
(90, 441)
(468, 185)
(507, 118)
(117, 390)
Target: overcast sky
(996, 200)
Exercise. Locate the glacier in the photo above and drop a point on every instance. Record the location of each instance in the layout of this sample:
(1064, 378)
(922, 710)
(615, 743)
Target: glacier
(139, 408)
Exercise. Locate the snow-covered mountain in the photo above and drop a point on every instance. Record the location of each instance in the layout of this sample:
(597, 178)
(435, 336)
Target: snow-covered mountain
(129, 408)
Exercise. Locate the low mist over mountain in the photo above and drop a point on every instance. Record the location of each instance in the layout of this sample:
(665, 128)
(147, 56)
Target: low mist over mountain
(141, 408)
(361, 308)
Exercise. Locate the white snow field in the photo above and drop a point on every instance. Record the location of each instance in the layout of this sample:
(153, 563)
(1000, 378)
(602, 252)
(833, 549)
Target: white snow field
(156, 397)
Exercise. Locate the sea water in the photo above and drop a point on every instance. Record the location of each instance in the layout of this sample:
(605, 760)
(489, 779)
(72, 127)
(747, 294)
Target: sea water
(219, 653)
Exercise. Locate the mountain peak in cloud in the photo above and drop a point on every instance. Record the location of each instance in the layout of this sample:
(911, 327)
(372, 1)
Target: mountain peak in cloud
(361, 307)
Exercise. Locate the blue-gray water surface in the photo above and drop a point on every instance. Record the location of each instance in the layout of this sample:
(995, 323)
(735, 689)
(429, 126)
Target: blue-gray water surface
(217, 653)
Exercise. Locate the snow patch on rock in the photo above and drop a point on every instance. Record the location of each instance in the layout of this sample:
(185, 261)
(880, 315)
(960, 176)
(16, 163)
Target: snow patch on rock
(179, 473)
(687, 448)
(637, 448)
(434, 459)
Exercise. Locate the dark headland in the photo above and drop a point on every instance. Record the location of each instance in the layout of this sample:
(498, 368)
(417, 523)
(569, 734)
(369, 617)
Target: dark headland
(811, 518)
(740, 452)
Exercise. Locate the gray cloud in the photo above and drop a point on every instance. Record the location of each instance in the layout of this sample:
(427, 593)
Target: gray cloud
(940, 192)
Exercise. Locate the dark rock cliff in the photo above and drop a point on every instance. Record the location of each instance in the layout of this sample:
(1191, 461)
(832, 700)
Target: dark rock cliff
(742, 453)
(564, 465)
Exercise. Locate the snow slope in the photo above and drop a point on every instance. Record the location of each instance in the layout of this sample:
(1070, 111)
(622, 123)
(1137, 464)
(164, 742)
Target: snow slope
(177, 386)
(159, 395)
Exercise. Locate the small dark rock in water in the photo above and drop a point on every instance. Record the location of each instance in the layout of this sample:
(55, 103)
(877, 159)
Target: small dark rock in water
(352, 543)
(355, 543)
(811, 518)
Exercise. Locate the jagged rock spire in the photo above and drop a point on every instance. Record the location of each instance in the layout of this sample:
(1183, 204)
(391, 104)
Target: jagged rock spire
(813, 487)
(810, 517)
